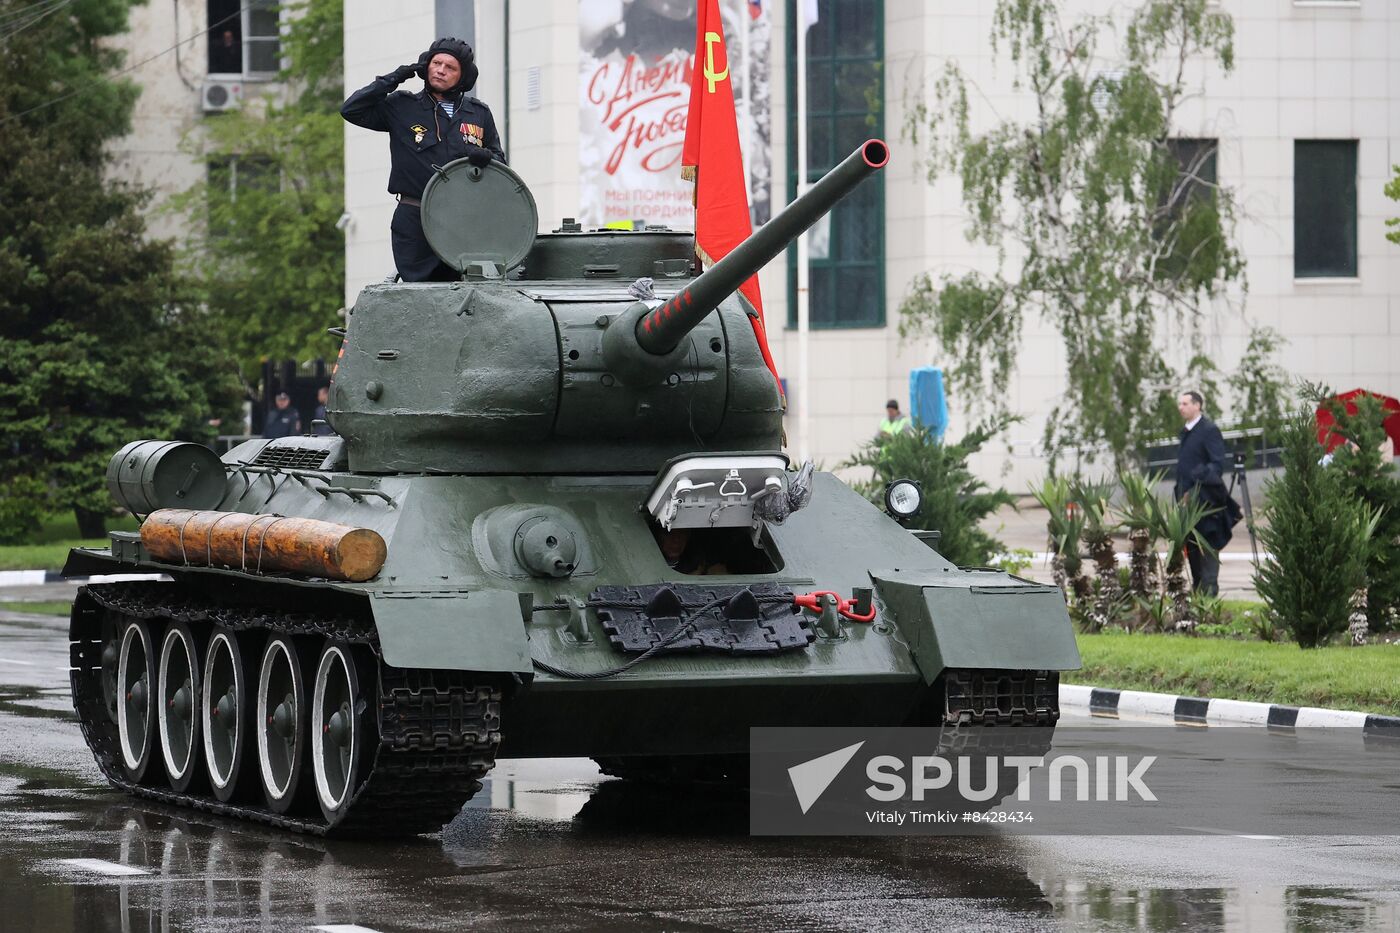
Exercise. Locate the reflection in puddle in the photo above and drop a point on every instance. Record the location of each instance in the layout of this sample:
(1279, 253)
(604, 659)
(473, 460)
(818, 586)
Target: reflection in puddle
(551, 845)
(200, 876)
(1244, 909)
(533, 799)
(37, 702)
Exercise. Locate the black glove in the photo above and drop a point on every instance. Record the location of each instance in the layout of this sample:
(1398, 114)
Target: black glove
(403, 73)
(478, 156)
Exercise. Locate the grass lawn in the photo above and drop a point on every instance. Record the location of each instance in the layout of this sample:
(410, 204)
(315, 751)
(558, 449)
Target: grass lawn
(39, 607)
(1337, 677)
(49, 548)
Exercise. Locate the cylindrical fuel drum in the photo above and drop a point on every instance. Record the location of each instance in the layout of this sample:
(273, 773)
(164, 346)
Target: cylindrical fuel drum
(261, 543)
(147, 475)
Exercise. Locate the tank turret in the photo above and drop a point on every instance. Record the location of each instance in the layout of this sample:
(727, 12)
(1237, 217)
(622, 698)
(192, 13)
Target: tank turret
(549, 356)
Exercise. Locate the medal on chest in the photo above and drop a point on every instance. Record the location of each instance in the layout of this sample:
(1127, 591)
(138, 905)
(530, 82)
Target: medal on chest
(419, 131)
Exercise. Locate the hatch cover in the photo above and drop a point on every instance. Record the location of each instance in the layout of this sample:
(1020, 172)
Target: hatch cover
(479, 215)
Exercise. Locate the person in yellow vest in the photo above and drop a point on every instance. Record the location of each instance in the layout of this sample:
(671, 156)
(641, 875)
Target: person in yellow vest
(894, 422)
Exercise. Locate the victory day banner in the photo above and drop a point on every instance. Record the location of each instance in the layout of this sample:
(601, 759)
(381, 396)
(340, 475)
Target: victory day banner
(636, 63)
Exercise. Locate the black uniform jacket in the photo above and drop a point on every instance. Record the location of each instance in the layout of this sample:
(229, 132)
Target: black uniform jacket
(1200, 468)
(421, 134)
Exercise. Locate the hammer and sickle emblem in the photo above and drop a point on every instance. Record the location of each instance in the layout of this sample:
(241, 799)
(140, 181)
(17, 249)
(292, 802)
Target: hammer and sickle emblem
(711, 38)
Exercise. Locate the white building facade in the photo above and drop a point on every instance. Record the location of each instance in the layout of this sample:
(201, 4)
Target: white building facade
(1308, 126)
(193, 60)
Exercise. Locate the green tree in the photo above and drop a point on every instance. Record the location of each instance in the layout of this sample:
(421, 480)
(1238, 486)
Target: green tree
(955, 501)
(99, 343)
(1317, 535)
(264, 249)
(1103, 223)
(1261, 385)
(1366, 478)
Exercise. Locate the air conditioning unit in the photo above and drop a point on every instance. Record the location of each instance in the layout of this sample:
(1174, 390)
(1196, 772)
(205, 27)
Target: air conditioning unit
(218, 96)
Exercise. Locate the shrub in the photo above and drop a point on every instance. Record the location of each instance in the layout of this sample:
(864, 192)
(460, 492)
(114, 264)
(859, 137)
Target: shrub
(955, 500)
(1015, 561)
(1318, 537)
(24, 501)
(1366, 478)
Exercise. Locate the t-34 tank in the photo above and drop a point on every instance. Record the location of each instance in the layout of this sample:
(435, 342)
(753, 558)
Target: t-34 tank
(556, 520)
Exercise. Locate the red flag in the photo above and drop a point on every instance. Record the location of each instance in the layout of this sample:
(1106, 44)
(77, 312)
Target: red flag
(711, 158)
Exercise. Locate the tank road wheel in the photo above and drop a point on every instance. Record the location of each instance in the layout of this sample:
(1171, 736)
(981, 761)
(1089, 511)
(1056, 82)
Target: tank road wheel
(111, 648)
(342, 727)
(281, 722)
(225, 710)
(177, 712)
(136, 708)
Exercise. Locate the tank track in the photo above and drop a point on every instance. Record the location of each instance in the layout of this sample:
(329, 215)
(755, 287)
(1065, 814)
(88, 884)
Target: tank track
(438, 733)
(966, 708)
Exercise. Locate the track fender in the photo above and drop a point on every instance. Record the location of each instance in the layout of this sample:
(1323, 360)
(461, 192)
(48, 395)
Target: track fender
(452, 630)
(978, 619)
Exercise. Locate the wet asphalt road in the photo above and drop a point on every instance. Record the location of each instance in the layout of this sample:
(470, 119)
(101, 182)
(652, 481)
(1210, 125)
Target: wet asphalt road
(553, 846)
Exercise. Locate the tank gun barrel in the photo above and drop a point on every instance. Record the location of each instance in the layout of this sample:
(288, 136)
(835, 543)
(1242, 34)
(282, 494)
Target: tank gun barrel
(661, 330)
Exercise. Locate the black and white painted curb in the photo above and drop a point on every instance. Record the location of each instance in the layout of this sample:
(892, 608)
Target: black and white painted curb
(40, 577)
(1137, 704)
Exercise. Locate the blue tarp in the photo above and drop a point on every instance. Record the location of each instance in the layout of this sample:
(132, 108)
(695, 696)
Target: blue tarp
(928, 405)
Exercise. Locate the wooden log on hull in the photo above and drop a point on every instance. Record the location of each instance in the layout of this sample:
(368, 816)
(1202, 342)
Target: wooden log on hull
(260, 543)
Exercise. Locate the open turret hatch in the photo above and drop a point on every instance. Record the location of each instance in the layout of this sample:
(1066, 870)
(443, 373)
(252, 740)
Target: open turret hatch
(480, 221)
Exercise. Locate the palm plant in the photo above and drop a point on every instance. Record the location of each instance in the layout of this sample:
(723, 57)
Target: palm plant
(1176, 525)
(1138, 514)
(1065, 527)
(1154, 612)
(1099, 528)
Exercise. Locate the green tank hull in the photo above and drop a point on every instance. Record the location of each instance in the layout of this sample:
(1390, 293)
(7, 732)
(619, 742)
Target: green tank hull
(593, 549)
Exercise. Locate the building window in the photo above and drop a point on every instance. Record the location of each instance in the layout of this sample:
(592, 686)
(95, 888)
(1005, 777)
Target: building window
(1324, 208)
(845, 107)
(1186, 220)
(244, 38)
(1196, 160)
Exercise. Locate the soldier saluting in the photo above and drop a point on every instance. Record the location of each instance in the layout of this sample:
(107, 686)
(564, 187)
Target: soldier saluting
(437, 125)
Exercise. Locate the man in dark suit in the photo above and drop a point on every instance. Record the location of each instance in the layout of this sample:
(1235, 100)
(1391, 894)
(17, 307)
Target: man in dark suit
(1200, 474)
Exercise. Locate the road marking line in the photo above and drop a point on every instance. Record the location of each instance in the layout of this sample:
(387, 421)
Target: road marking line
(102, 867)
(344, 928)
(25, 663)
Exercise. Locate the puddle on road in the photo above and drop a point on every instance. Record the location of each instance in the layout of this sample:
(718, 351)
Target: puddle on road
(30, 702)
(547, 845)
